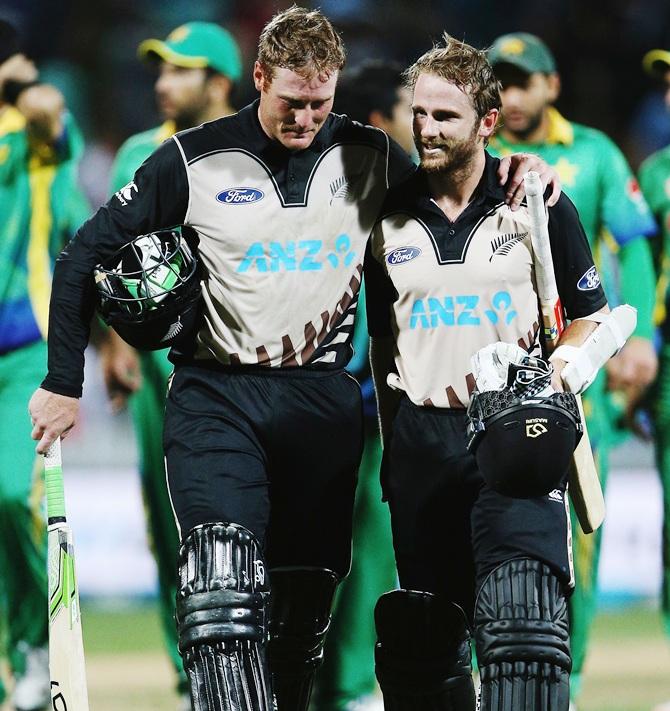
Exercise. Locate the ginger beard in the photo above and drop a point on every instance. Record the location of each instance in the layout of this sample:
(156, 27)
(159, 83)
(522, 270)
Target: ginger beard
(447, 155)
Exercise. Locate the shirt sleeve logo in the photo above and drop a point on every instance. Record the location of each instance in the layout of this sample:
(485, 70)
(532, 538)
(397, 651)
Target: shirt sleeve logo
(402, 255)
(240, 196)
(126, 194)
(590, 280)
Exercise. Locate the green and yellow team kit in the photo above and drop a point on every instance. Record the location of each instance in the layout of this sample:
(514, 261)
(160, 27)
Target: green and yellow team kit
(596, 177)
(41, 207)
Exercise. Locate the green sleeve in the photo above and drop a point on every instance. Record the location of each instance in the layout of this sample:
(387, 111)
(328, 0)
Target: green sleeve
(122, 171)
(130, 157)
(638, 283)
(623, 209)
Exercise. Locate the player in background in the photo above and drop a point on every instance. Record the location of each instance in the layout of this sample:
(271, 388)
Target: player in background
(616, 219)
(655, 183)
(40, 209)
(263, 426)
(373, 93)
(449, 271)
(199, 64)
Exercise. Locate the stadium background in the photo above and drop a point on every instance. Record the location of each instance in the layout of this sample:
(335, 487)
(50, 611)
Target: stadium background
(89, 51)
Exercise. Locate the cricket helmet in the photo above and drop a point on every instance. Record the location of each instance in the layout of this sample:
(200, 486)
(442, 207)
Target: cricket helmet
(523, 445)
(149, 290)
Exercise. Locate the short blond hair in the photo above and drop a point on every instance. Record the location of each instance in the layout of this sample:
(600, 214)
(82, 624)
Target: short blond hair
(462, 65)
(301, 40)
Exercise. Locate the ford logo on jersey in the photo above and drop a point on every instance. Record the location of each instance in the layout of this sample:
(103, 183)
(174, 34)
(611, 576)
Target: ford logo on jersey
(402, 255)
(589, 281)
(240, 196)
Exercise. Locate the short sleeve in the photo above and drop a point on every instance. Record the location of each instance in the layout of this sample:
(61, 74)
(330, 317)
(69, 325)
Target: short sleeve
(379, 294)
(577, 278)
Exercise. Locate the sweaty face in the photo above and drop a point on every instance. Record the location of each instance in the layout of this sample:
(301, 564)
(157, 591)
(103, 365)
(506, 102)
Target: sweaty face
(445, 125)
(293, 107)
(524, 99)
(181, 94)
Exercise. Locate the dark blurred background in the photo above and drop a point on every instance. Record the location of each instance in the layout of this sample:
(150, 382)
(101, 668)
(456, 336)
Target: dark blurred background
(88, 49)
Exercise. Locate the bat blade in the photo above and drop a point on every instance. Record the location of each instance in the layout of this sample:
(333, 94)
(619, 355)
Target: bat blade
(584, 483)
(66, 649)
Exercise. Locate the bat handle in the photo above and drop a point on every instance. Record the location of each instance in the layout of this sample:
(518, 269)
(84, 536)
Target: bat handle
(533, 184)
(53, 482)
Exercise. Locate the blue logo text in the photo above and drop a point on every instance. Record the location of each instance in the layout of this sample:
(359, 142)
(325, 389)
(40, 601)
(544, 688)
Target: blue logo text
(460, 311)
(305, 255)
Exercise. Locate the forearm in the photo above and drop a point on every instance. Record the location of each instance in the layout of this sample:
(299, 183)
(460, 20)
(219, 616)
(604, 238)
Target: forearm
(580, 329)
(638, 284)
(382, 363)
(574, 335)
(70, 312)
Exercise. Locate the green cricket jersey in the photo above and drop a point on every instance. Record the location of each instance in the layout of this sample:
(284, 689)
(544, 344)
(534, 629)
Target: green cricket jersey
(597, 178)
(655, 184)
(41, 207)
(135, 151)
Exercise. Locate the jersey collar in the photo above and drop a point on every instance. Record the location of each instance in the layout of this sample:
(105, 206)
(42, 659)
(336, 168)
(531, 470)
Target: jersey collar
(488, 191)
(560, 130)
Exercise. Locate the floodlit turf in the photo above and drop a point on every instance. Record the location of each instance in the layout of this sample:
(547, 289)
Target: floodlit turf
(628, 669)
(629, 665)
(117, 628)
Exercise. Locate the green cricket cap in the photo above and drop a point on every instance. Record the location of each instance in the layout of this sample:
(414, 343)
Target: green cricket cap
(197, 45)
(657, 62)
(525, 51)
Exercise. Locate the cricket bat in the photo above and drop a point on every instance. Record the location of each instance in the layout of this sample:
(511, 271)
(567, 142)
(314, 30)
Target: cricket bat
(66, 648)
(584, 484)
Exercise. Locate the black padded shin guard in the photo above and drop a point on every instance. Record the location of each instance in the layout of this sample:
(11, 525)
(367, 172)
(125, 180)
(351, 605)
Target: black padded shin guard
(521, 633)
(299, 619)
(221, 610)
(422, 655)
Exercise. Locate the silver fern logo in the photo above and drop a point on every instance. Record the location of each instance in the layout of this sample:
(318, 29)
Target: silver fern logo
(343, 187)
(174, 330)
(503, 244)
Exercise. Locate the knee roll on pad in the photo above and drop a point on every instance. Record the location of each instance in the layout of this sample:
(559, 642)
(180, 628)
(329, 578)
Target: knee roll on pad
(522, 640)
(300, 608)
(422, 654)
(222, 595)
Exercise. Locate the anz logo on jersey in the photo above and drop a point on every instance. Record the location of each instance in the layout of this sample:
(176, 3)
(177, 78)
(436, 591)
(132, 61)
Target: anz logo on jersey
(461, 311)
(304, 255)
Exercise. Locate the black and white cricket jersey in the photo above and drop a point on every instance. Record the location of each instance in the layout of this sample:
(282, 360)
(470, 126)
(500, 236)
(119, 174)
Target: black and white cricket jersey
(445, 289)
(282, 241)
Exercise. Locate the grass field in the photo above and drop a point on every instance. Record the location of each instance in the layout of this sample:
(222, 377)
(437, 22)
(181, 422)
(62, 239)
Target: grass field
(628, 669)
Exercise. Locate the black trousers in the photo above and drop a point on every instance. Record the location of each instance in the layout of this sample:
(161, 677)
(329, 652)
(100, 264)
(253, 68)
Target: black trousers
(276, 452)
(450, 530)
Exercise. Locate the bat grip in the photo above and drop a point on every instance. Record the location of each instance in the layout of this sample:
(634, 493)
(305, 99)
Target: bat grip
(53, 481)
